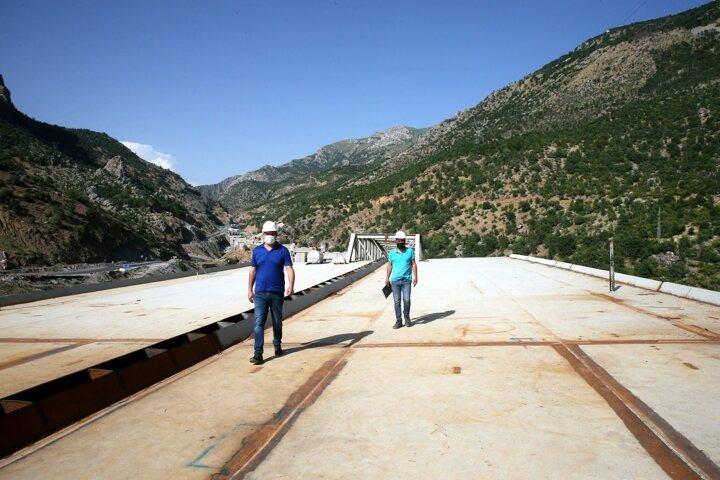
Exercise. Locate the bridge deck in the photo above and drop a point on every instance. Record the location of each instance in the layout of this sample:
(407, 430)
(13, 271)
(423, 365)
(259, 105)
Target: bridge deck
(512, 370)
(43, 340)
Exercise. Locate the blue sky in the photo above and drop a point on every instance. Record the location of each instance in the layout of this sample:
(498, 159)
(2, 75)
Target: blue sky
(216, 88)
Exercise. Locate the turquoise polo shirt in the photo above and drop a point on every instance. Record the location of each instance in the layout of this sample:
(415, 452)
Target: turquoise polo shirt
(401, 264)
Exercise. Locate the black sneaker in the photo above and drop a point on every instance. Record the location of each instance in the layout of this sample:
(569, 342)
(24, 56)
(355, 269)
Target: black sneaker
(257, 359)
(398, 324)
(279, 352)
(407, 322)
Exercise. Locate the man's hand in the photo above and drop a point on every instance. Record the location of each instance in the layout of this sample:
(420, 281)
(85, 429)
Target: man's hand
(251, 283)
(414, 281)
(290, 288)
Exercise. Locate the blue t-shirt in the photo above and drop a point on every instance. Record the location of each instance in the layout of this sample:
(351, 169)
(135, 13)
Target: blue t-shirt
(401, 264)
(270, 268)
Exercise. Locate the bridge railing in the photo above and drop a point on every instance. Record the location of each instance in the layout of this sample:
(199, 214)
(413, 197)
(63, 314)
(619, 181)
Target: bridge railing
(373, 246)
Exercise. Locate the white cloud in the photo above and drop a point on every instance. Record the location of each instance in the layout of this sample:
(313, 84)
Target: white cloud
(148, 153)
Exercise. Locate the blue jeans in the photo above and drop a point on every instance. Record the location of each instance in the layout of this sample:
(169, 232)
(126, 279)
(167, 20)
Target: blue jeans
(265, 301)
(401, 288)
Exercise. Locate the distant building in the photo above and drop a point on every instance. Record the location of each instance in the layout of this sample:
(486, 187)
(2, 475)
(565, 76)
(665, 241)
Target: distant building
(238, 238)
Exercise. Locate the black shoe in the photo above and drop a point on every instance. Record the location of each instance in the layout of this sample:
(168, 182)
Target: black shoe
(398, 324)
(279, 352)
(407, 322)
(257, 359)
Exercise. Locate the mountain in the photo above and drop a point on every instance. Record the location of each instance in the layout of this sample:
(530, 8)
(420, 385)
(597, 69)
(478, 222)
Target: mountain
(240, 192)
(72, 195)
(616, 136)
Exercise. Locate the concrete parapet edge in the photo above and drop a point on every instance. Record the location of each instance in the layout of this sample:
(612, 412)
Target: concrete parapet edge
(641, 282)
(678, 290)
(595, 272)
(704, 295)
(675, 289)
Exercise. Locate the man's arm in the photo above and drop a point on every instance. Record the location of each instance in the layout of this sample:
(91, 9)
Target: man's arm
(251, 284)
(414, 270)
(388, 270)
(291, 281)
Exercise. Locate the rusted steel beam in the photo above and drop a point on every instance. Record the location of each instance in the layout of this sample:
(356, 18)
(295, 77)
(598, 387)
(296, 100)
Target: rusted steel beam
(459, 343)
(533, 343)
(256, 447)
(641, 341)
(673, 452)
(51, 406)
(78, 340)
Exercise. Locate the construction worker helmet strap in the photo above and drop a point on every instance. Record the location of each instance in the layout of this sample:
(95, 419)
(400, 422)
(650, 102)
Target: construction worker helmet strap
(269, 226)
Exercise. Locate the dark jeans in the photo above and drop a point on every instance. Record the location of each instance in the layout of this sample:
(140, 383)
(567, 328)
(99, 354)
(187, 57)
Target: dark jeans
(401, 288)
(265, 301)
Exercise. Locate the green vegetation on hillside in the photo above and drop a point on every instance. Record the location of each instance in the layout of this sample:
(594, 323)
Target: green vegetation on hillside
(552, 169)
(72, 195)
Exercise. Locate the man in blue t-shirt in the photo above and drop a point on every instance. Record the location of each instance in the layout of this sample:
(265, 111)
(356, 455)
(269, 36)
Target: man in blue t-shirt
(401, 271)
(267, 274)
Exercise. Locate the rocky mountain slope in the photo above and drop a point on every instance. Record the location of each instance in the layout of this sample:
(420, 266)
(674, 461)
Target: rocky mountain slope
(240, 192)
(620, 137)
(604, 141)
(72, 195)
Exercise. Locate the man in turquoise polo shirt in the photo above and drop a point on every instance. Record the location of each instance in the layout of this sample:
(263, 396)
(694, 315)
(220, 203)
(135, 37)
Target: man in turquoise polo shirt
(400, 273)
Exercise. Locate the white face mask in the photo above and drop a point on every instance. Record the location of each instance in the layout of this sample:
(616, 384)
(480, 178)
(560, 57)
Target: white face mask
(269, 239)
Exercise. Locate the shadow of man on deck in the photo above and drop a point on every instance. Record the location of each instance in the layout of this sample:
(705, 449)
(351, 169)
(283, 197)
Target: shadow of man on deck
(431, 317)
(329, 341)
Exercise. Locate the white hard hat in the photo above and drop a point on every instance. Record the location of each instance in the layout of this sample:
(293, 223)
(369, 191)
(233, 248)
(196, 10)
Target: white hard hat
(269, 226)
(400, 235)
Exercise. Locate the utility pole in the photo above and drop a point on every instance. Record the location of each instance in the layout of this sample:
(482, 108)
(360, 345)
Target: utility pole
(611, 270)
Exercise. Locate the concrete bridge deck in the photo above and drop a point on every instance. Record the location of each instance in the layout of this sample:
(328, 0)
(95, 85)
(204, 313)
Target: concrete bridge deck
(43, 340)
(511, 370)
